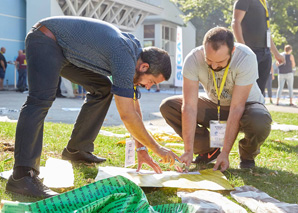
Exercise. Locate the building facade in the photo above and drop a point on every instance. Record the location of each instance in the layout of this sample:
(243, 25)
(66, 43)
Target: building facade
(153, 22)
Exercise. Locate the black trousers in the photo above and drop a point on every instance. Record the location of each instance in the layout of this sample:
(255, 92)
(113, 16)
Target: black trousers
(45, 63)
(264, 65)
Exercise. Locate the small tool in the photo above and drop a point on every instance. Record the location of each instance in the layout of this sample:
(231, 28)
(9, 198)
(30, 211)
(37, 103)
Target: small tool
(181, 165)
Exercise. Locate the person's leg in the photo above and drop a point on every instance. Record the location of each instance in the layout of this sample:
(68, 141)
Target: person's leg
(170, 109)
(281, 83)
(1, 84)
(269, 86)
(45, 60)
(264, 65)
(290, 83)
(19, 81)
(2, 75)
(22, 80)
(256, 125)
(94, 109)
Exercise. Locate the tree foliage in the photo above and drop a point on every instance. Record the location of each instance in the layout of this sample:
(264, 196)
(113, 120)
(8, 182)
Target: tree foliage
(207, 14)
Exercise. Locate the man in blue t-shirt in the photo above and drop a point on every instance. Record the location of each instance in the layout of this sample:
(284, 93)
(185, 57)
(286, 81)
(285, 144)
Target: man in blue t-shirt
(86, 51)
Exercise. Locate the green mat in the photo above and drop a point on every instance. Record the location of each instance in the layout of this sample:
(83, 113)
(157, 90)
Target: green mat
(115, 194)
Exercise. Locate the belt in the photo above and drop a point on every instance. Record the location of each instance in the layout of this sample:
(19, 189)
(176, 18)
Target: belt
(45, 31)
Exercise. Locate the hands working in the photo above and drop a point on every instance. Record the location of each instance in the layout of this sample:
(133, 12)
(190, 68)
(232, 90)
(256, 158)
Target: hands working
(167, 156)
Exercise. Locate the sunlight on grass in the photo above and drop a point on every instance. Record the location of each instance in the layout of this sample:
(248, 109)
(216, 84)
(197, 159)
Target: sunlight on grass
(276, 172)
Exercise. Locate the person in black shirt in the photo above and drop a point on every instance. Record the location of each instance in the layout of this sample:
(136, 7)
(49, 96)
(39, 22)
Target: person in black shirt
(3, 65)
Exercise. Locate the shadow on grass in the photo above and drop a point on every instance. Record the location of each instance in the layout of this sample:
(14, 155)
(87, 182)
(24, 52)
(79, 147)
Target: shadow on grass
(281, 146)
(281, 185)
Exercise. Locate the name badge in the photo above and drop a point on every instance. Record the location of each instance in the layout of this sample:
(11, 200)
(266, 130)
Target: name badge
(129, 152)
(217, 133)
(268, 38)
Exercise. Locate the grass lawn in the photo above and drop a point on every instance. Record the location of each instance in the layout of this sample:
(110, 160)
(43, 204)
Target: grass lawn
(276, 172)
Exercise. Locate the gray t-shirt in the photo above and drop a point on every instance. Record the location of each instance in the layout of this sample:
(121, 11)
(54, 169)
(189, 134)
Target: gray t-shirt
(243, 71)
(254, 25)
(98, 46)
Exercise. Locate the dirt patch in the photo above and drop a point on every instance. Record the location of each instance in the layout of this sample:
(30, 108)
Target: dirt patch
(6, 146)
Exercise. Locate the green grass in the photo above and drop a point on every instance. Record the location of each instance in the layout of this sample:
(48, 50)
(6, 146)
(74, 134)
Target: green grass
(276, 172)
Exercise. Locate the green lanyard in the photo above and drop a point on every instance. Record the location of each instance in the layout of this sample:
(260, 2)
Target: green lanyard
(221, 88)
(263, 2)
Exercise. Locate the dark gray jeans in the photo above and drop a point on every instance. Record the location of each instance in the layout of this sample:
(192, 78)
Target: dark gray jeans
(264, 66)
(255, 123)
(45, 63)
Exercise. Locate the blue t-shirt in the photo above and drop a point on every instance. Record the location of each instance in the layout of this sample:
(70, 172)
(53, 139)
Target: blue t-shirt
(98, 46)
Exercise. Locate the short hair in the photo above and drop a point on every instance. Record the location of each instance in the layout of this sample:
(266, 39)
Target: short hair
(219, 36)
(288, 48)
(159, 61)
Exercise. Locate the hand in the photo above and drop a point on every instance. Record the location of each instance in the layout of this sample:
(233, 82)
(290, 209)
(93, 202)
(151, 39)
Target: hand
(222, 161)
(167, 156)
(186, 158)
(280, 59)
(143, 157)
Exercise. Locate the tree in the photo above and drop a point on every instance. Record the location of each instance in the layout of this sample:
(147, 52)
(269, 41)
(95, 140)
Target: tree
(207, 14)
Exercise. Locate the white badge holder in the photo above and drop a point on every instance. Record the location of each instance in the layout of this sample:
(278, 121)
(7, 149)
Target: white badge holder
(217, 133)
(268, 36)
(129, 152)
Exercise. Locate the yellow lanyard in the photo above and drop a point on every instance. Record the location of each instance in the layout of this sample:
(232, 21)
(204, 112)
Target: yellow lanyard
(134, 93)
(263, 2)
(221, 88)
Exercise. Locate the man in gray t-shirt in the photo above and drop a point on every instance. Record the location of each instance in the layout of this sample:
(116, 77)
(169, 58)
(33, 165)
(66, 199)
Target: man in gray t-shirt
(228, 74)
(251, 27)
(86, 51)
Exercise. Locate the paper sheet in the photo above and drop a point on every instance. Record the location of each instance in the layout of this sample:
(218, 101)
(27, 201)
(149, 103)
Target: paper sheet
(207, 201)
(258, 201)
(205, 179)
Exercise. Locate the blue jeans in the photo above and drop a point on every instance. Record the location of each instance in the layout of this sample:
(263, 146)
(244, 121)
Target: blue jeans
(45, 63)
(282, 78)
(22, 84)
(269, 86)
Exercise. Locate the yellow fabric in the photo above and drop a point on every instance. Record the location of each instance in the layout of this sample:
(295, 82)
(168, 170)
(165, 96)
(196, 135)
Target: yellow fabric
(205, 179)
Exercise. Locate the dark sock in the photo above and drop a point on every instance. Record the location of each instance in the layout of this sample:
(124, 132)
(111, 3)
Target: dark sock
(21, 171)
(71, 150)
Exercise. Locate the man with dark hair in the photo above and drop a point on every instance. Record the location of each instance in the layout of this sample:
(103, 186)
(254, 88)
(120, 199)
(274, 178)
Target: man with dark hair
(234, 102)
(3, 65)
(86, 51)
(251, 27)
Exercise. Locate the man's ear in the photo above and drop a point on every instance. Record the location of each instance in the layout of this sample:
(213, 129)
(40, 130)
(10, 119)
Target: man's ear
(144, 67)
(234, 48)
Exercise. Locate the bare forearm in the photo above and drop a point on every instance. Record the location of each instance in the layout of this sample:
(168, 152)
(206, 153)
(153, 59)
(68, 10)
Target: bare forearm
(237, 29)
(188, 128)
(273, 48)
(135, 126)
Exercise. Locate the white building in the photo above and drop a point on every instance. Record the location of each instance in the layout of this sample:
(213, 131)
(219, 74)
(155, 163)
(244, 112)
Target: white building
(153, 22)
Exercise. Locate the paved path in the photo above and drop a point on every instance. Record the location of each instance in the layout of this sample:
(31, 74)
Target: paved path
(65, 110)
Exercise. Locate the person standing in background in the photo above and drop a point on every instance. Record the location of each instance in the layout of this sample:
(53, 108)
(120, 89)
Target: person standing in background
(251, 27)
(21, 66)
(286, 74)
(269, 85)
(3, 65)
